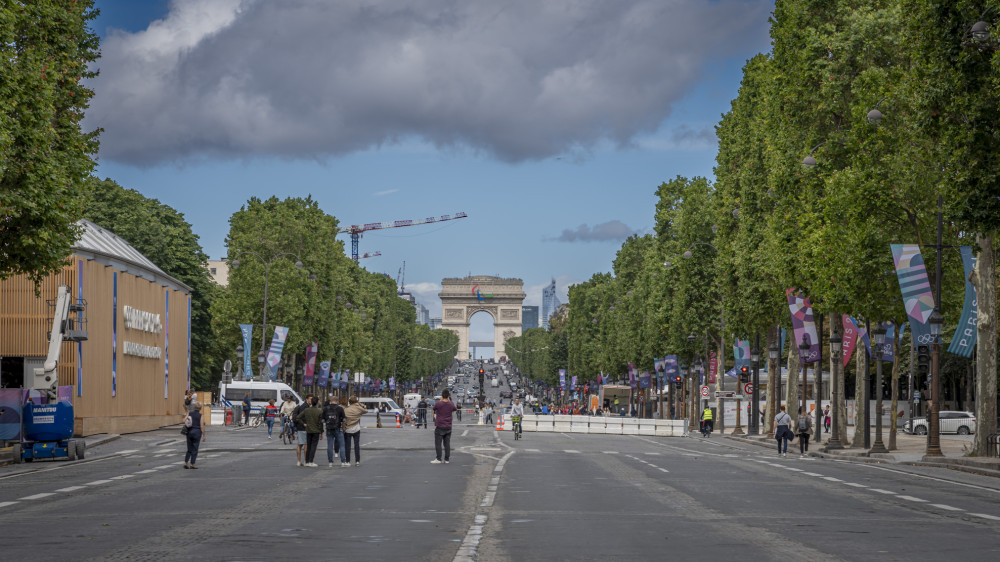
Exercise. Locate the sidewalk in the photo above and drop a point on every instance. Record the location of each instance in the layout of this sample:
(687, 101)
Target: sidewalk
(910, 449)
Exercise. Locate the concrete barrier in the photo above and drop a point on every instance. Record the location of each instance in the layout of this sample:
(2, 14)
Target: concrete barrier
(670, 428)
(613, 425)
(544, 423)
(529, 422)
(580, 424)
(598, 425)
(630, 426)
(647, 426)
(561, 423)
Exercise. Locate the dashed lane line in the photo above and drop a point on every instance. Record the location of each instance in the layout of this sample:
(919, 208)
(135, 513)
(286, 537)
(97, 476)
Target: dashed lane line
(881, 491)
(97, 482)
(986, 516)
(37, 496)
(946, 507)
(71, 489)
(911, 498)
(5, 504)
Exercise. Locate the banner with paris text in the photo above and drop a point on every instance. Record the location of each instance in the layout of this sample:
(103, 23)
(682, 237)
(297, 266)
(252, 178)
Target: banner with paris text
(803, 325)
(964, 342)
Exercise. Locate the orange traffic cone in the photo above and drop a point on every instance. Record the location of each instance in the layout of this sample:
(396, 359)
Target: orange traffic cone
(499, 422)
(398, 425)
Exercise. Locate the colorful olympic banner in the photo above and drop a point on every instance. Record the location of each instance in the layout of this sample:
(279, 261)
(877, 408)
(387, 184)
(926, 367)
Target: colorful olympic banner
(713, 367)
(562, 378)
(916, 290)
(741, 353)
(672, 368)
(964, 341)
(850, 337)
(644, 380)
(803, 325)
(310, 371)
(274, 354)
(324, 374)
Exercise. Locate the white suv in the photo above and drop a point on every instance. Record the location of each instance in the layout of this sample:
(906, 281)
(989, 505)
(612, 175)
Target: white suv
(962, 423)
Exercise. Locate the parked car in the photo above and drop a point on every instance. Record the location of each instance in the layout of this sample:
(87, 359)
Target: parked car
(962, 423)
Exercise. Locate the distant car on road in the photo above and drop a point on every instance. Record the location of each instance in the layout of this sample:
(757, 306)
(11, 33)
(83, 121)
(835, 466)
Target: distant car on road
(962, 423)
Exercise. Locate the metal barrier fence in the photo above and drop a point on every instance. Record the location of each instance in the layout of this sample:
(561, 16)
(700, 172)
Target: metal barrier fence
(993, 445)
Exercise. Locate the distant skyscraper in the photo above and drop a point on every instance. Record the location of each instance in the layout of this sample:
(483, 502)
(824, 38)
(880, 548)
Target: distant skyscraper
(423, 315)
(434, 322)
(549, 303)
(529, 317)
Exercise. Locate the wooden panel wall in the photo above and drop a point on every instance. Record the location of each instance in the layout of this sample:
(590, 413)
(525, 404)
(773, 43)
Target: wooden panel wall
(140, 381)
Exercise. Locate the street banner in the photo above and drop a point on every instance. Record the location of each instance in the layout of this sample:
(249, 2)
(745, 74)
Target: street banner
(850, 338)
(964, 341)
(863, 335)
(803, 324)
(600, 378)
(562, 378)
(392, 383)
(324, 374)
(310, 371)
(632, 381)
(274, 354)
(644, 380)
(741, 353)
(572, 384)
(247, 331)
(734, 373)
(672, 368)
(713, 367)
(888, 350)
(915, 288)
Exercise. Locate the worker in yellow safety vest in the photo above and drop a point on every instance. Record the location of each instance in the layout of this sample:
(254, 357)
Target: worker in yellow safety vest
(707, 423)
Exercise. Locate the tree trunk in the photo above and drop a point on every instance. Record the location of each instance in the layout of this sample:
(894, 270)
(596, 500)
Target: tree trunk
(773, 379)
(792, 388)
(859, 395)
(983, 277)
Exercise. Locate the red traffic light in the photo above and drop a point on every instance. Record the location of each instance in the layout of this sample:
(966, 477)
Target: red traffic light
(744, 369)
(481, 371)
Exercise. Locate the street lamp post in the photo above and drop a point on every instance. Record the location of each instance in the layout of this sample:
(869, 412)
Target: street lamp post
(754, 422)
(879, 335)
(267, 271)
(934, 431)
(836, 342)
(774, 353)
(691, 416)
(239, 356)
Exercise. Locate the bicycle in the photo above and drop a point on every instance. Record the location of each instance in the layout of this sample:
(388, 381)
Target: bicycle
(516, 426)
(257, 419)
(288, 432)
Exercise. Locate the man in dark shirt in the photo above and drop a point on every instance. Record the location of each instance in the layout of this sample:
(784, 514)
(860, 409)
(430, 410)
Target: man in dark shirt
(422, 413)
(443, 410)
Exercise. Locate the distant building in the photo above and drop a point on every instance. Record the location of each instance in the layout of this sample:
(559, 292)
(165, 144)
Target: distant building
(423, 315)
(550, 303)
(529, 318)
(407, 297)
(219, 270)
(434, 322)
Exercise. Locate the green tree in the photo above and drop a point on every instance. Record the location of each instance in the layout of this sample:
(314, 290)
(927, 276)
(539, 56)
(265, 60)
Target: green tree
(45, 159)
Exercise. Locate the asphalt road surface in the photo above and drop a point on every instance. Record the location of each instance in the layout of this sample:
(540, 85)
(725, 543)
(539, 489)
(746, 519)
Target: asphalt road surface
(549, 496)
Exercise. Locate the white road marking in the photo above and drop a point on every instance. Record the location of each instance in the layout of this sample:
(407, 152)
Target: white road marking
(912, 475)
(811, 474)
(793, 469)
(97, 482)
(855, 485)
(610, 452)
(912, 499)
(145, 471)
(532, 451)
(5, 504)
(71, 489)
(947, 507)
(464, 433)
(37, 496)
(832, 479)
(881, 491)
(123, 477)
(571, 451)
(663, 469)
(985, 516)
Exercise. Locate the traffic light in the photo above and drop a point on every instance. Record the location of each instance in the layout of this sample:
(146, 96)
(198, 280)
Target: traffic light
(744, 374)
(481, 371)
(677, 380)
(923, 360)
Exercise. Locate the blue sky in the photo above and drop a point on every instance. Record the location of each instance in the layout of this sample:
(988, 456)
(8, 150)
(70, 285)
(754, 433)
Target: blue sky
(550, 124)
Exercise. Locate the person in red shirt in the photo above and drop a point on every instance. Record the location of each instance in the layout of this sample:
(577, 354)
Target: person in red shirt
(443, 410)
(270, 416)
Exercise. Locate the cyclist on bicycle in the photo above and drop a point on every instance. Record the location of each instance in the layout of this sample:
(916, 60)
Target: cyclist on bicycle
(707, 422)
(516, 412)
(287, 407)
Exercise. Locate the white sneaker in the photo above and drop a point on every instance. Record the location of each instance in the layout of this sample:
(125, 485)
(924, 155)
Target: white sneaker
(268, 436)
(299, 463)
(446, 462)
(435, 461)
(357, 463)
(345, 464)
(331, 465)
(312, 464)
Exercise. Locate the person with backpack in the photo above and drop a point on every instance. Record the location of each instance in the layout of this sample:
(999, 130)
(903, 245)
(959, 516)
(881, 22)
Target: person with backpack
(312, 420)
(805, 425)
(270, 416)
(300, 429)
(333, 417)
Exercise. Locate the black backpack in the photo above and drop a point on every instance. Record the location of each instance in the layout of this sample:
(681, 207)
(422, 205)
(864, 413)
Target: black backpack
(299, 425)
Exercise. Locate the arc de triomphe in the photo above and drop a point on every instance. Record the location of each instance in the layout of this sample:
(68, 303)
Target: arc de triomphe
(499, 297)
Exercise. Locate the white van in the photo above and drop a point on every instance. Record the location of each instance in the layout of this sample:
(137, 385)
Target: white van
(386, 406)
(260, 393)
(412, 400)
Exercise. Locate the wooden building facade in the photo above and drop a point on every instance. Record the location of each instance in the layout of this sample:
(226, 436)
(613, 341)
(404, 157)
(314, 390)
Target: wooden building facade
(131, 373)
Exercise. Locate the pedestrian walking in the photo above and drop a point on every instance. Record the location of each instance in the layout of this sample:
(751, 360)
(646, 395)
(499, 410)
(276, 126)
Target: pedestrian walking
(422, 413)
(300, 429)
(352, 429)
(189, 398)
(443, 410)
(805, 425)
(195, 435)
(407, 415)
(312, 420)
(270, 415)
(782, 433)
(333, 416)
(246, 409)
(826, 418)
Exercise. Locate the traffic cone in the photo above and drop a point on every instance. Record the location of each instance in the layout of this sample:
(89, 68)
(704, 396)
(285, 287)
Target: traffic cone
(499, 422)
(397, 422)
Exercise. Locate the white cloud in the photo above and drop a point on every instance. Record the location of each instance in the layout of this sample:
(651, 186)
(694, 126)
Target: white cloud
(518, 80)
(614, 230)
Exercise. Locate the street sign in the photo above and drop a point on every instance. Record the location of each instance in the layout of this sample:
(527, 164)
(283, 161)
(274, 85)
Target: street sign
(704, 392)
(748, 388)
(730, 394)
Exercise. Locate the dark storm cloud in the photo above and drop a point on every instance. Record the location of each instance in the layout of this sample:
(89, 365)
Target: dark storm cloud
(517, 79)
(609, 231)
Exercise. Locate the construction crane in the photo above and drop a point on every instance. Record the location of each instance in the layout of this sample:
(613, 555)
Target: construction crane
(355, 230)
(370, 254)
(401, 279)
